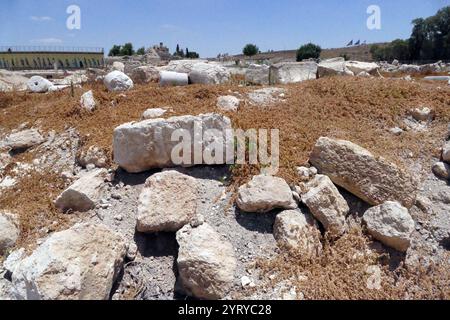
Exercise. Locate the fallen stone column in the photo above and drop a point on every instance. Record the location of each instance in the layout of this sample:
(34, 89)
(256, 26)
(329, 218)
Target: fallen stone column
(169, 78)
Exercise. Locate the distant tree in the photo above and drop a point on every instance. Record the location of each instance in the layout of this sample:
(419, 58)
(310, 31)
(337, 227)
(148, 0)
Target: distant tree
(187, 52)
(193, 55)
(416, 39)
(179, 52)
(395, 50)
(398, 49)
(115, 51)
(127, 49)
(140, 51)
(309, 51)
(377, 52)
(430, 38)
(250, 50)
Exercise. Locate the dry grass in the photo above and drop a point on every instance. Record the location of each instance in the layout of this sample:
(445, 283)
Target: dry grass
(360, 110)
(32, 199)
(342, 272)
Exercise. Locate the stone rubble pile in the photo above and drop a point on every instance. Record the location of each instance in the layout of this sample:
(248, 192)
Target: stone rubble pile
(84, 261)
(122, 74)
(395, 66)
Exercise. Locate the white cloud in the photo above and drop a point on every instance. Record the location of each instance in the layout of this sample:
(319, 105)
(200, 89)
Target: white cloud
(47, 41)
(40, 18)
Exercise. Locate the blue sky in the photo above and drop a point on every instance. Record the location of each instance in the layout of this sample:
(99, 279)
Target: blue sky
(208, 26)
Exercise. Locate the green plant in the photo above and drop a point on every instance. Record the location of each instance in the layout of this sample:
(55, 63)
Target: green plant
(309, 51)
(115, 51)
(192, 55)
(141, 51)
(127, 49)
(430, 40)
(250, 50)
(397, 49)
(179, 52)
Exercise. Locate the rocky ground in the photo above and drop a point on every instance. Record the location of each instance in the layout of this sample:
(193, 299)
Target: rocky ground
(160, 231)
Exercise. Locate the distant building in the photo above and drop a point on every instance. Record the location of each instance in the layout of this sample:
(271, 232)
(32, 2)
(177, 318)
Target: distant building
(162, 51)
(42, 58)
(158, 53)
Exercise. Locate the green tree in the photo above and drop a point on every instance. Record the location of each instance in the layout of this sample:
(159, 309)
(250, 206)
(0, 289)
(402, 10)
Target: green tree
(417, 39)
(179, 52)
(438, 30)
(250, 50)
(309, 51)
(140, 51)
(377, 52)
(397, 49)
(193, 55)
(115, 51)
(127, 49)
(430, 38)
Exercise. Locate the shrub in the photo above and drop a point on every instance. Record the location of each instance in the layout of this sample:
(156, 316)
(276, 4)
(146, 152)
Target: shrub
(308, 51)
(250, 50)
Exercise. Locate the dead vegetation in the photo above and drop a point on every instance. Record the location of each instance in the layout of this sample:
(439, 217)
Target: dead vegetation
(356, 109)
(348, 270)
(32, 199)
(360, 110)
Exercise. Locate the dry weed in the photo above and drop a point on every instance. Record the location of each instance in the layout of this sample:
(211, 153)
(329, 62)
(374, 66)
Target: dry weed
(32, 199)
(342, 272)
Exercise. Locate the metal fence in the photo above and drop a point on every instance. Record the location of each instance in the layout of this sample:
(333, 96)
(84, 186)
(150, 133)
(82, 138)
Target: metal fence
(12, 49)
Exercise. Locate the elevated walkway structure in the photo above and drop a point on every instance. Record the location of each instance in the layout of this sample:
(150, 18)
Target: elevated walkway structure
(45, 58)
